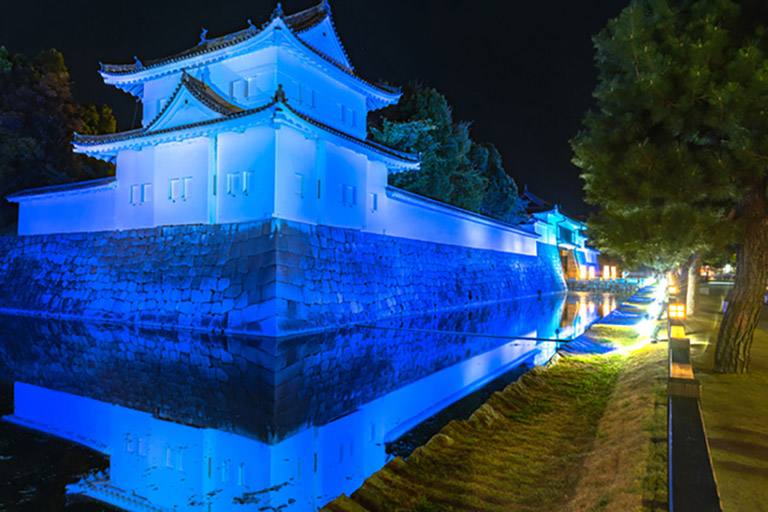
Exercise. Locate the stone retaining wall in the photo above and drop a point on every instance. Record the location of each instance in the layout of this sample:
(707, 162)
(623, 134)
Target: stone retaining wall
(271, 277)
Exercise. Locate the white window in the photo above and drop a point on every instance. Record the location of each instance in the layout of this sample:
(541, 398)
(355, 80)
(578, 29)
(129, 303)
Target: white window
(142, 446)
(241, 474)
(146, 192)
(186, 187)
(135, 194)
(168, 458)
(299, 184)
(348, 194)
(348, 116)
(234, 183)
(247, 177)
(253, 87)
(174, 189)
(129, 445)
(181, 460)
(238, 90)
(374, 202)
(224, 471)
(306, 96)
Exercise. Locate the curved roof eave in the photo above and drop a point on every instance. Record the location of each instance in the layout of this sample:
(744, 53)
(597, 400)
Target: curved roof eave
(102, 146)
(130, 77)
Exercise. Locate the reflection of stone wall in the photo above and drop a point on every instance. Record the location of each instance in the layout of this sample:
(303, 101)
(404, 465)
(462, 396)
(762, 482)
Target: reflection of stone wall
(272, 277)
(259, 387)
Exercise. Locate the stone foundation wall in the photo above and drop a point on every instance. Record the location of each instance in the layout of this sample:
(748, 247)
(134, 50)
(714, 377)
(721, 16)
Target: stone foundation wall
(271, 277)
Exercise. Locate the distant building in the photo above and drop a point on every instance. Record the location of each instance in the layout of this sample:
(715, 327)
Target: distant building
(556, 228)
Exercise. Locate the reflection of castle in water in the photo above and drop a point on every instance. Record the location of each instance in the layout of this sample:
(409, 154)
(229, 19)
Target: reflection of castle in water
(191, 418)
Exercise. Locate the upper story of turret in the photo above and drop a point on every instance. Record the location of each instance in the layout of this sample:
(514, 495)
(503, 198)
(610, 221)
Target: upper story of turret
(302, 52)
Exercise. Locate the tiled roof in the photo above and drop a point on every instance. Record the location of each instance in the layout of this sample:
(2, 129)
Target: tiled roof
(298, 22)
(379, 148)
(202, 93)
(208, 96)
(82, 186)
(94, 140)
(535, 204)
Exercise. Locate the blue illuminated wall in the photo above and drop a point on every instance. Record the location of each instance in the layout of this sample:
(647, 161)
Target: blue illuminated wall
(271, 277)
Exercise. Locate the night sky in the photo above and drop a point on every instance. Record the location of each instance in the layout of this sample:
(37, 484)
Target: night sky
(522, 72)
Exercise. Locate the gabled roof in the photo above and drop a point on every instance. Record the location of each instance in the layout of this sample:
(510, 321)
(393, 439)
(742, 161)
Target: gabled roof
(298, 24)
(95, 144)
(82, 187)
(210, 105)
(535, 204)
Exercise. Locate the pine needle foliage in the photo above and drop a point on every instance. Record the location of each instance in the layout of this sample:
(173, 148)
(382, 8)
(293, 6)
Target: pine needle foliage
(676, 154)
(454, 169)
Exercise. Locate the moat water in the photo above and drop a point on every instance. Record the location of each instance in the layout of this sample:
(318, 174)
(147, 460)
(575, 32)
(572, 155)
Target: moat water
(181, 420)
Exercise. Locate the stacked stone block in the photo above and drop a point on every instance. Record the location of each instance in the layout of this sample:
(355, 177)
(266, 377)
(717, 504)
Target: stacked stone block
(272, 277)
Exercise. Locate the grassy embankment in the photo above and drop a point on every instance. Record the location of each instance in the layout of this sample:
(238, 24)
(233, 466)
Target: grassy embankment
(584, 434)
(734, 409)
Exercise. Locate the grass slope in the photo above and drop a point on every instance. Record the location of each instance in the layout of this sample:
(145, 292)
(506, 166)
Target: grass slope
(577, 435)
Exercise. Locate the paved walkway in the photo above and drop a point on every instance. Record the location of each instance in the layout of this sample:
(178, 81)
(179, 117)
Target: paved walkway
(735, 411)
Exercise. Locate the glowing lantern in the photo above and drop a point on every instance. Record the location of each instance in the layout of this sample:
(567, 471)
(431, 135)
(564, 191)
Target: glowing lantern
(672, 289)
(677, 331)
(676, 311)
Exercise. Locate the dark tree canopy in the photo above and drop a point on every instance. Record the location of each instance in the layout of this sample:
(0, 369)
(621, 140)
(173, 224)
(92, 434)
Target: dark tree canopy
(455, 169)
(38, 117)
(676, 154)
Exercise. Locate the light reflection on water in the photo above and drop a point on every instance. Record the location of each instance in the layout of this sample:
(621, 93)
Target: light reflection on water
(194, 421)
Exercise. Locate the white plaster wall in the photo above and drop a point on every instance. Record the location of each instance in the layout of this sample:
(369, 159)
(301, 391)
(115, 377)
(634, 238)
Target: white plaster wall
(155, 92)
(135, 169)
(186, 161)
(251, 80)
(433, 222)
(320, 96)
(93, 211)
(247, 156)
(245, 80)
(295, 176)
(345, 187)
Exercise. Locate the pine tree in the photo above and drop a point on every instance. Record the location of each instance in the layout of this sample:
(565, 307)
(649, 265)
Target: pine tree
(38, 117)
(679, 141)
(454, 169)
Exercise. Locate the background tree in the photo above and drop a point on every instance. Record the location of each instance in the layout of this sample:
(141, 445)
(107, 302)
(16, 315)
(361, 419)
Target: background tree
(38, 117)
(454, 169)
(680, 128)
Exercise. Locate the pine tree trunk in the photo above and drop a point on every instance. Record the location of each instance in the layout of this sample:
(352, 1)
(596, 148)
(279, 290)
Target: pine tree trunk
(734, 340)
(692, 293)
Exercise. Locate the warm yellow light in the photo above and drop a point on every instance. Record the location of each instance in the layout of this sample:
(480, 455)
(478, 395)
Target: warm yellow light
(672, 289)
(591, 272)
(606, 272)
(582, 272)
(676, 311)
(677, 331)
(613, 272)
